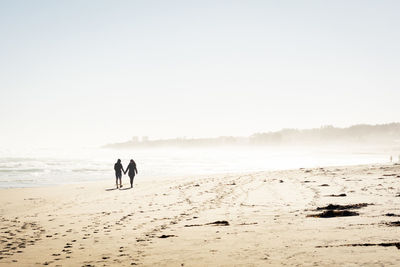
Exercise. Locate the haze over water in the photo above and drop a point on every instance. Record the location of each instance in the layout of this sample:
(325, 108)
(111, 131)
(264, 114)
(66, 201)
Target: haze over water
(41, 167)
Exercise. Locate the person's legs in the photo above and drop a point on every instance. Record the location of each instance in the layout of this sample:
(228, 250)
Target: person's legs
(116, 179)
(118, 176)
(131, 178)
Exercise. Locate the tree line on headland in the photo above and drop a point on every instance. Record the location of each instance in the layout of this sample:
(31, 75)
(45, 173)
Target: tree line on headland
(380, 134)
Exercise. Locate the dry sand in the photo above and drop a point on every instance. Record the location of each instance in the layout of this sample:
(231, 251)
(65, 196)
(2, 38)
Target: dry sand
(255, 219)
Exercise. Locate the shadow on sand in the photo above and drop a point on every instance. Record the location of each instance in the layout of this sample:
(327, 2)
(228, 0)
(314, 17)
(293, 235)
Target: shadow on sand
(111, 189)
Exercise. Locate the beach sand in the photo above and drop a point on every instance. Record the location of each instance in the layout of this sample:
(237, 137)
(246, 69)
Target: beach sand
(254, 219)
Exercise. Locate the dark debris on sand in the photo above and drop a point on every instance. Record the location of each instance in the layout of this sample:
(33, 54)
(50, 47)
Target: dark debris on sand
(395, 223)
(389, 244)
(343, 207)
(339, 195)
(166, 236)
(392, 215)
(219, 223)
(192, 225)
(216, 223)
(334, 213)
(334, 210)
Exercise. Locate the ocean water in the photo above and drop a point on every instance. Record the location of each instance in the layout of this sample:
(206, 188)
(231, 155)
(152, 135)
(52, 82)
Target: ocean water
(44, 167)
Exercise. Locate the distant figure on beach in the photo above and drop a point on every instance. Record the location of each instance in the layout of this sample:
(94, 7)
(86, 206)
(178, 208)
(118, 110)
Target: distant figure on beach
(118, 172)
(131, 169)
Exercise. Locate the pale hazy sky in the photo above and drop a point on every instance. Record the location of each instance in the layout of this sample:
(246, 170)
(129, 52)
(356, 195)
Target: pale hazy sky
(94, 72)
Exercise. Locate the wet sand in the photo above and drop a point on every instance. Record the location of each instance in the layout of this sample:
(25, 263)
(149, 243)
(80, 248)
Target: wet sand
(331, 216)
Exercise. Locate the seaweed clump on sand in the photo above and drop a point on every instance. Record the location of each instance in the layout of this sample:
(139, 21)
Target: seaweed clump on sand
(334, 210)
(389, 244)
(334, 213)
(392, 215)
(166, 236)
(343, 207)
(395, 223)
(339, 195)
(216, 223)
(219, 223)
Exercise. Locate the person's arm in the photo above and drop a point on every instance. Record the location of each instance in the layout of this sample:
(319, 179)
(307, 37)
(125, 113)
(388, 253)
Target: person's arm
(122, 167)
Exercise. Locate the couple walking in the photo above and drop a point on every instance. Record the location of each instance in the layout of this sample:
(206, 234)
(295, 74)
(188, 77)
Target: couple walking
(119, 169)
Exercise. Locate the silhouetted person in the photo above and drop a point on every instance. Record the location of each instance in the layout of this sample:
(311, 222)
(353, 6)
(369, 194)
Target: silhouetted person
(131, 169)
(118, 172)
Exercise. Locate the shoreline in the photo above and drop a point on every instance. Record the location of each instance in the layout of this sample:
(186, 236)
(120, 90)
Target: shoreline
(188, 176)
(259, 218)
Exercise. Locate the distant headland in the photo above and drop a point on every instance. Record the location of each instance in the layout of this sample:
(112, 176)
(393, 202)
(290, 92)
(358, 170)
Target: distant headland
(362, 134)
